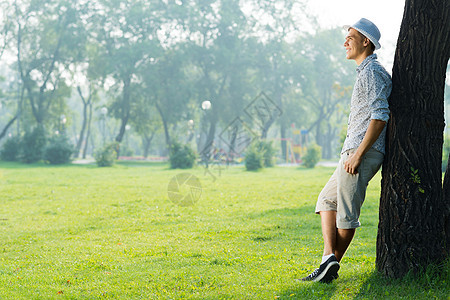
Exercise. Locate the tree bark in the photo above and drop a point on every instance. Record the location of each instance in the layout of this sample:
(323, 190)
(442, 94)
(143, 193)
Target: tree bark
(5, 129)
(210, 136)
(13, 119)
(88, 133)
(411, 228)
(125, 108)
(166, 128)
(86, 104)
(147, 141)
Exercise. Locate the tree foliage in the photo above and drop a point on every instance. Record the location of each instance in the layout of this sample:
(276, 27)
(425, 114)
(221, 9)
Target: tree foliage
(152, 64)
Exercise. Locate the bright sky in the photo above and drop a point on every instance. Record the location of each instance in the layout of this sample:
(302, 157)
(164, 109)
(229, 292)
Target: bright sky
(386, 14)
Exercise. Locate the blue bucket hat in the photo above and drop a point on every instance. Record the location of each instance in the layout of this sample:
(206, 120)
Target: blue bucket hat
(368, 29)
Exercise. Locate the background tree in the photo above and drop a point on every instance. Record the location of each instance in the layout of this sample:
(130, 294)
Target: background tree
(217, 55)
(87, 99)
(166, 89)
(6, 25)
(274, 23)
(413, 211)
(9, 97)
(330, 85)
(13, 96)
(128, 36)
(137, 57)
(48, 34)
(145, 121)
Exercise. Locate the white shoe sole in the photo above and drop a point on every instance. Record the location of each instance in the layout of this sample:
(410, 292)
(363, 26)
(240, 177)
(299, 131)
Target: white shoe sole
(332, 268)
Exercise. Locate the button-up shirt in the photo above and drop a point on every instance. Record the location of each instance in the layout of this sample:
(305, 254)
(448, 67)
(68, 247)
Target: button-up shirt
(369, 101)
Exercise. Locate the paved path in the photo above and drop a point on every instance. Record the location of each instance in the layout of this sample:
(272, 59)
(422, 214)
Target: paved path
(326, 163)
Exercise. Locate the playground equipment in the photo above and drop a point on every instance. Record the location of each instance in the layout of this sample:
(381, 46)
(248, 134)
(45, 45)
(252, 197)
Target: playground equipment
(296, 146)
(290, 155)
(300, 141)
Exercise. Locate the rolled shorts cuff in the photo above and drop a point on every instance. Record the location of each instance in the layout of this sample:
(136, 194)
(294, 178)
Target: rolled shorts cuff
(347, 224)
(345, 193)
(326, 204)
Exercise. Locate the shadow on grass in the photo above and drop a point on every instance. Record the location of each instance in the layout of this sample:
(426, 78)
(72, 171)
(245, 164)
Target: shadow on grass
(18, 165)
(296, 213)
(429, 284)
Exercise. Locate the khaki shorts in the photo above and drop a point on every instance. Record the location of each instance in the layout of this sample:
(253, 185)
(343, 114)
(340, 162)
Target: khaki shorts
(345, 193)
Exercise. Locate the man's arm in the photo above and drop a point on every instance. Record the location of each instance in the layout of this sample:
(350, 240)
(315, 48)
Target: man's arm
(373, 132)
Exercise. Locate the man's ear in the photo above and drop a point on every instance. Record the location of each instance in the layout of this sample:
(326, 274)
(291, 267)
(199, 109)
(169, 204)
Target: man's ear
(366, 42)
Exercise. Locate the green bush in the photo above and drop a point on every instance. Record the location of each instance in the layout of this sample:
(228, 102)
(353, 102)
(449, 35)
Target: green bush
(312, 156)
(11, 149)
(58, 150)
(181, 156)
(33, 145)
(254, 157)
(260, 154)
(268, 151)
(106, 156)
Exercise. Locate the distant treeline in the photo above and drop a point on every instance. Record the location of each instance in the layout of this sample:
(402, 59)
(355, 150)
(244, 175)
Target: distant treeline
(137, 72)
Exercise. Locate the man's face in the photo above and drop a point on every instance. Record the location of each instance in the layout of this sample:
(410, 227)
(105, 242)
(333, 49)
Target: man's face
(355, 44)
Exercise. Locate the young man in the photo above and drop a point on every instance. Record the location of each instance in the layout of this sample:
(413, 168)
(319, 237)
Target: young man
(341, 199)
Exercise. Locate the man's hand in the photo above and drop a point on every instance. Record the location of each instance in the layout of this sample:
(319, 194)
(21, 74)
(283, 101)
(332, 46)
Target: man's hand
(352, 163)
(372, 134)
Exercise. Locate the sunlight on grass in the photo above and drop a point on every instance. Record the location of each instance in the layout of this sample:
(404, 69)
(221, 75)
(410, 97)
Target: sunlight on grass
(88, 232)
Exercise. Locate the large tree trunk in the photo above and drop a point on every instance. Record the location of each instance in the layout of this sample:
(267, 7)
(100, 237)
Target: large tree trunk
(411, 228)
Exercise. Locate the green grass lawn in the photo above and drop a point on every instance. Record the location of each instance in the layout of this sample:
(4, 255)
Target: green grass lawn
(82, 232)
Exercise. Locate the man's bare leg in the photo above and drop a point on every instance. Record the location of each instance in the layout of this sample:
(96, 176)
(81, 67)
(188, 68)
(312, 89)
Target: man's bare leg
(328, 220)
(335, 243)
(334, 240)
(343, 240)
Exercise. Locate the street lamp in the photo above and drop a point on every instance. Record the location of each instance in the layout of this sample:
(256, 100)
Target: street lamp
(63, 123)
(190, 130)
(206, 105)
(127, 128)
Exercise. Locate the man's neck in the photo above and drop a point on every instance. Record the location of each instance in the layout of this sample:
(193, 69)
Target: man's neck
(363, 56)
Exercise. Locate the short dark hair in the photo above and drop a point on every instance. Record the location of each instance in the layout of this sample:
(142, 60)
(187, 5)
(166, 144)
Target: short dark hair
(372, 45)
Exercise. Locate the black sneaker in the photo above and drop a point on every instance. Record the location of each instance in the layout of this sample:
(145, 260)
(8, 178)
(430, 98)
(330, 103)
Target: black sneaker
(327, 272)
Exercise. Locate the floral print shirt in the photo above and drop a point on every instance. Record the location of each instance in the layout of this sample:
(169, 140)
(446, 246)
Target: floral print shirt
(369, 101)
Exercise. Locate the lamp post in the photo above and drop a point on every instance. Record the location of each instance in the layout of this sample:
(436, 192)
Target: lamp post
(191, 130)
(127, 129)
(63, 121)
(206, 105)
